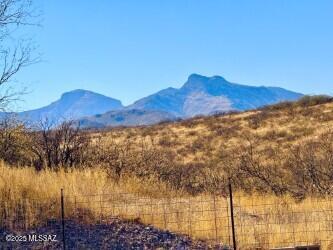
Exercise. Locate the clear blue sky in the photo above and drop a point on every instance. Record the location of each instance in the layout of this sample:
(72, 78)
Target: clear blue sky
(130, 49)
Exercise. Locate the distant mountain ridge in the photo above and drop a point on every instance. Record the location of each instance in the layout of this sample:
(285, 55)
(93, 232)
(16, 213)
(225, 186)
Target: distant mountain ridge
(200, 95)
(131, 117)
(71, 106)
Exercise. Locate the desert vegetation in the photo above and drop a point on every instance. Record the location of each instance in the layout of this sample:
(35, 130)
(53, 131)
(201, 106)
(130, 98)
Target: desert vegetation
(279, 155)
(281, 149)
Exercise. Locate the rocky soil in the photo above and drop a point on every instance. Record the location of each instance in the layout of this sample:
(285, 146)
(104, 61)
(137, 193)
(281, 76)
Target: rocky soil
(111, 234)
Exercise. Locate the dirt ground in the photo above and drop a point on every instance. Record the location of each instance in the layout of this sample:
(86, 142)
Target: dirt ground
(111, 234)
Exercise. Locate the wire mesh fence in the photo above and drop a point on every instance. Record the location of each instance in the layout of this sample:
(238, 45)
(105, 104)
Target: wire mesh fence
(281, 223)
(259, 223)
(201, 217)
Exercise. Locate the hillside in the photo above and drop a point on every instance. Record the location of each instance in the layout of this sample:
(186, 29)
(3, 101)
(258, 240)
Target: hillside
(278, 158)
(267, 150)
(283, 148)
(198, 139)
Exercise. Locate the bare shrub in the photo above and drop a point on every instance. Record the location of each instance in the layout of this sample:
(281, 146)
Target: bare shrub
(190, 122)
(275, 135)
(115, 158)
(225, 130)
(311, 166)
(153, 162)
(261, 168)
(192, 133)
(198, 144)
(165, 141)
(14, 142)
(259, 119)
(61, 146)
(300, 170)
(278, 106)
(314, 100)
(305, 101)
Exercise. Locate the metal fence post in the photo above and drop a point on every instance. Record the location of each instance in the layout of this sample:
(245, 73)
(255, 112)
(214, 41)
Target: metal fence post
(164, 217)
(232, 216)
(63, 219)
(215, 219)
(189, 216)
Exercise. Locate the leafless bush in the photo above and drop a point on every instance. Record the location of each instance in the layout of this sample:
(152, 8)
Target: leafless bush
(300, 170)
(258, 119)
(14, 142)
(275, 135)
(260, 169)
(311, 166)
(61, 146)
(278, 106)
(314, 100)
(225, 130)
(165, 141)
(115, 158)
(305, 101)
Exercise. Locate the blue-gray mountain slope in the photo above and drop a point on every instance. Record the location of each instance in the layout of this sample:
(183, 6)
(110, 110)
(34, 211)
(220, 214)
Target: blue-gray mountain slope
(131, 117)
(207, 95)
(72, 105)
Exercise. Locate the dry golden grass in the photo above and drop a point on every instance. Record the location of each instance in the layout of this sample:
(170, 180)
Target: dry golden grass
(265, 221)
(200, 139)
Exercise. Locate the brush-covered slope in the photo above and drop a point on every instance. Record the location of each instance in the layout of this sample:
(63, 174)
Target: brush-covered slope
(202, 95)
(202, 139)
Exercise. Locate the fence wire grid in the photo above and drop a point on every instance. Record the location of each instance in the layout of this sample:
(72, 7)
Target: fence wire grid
(274, 223)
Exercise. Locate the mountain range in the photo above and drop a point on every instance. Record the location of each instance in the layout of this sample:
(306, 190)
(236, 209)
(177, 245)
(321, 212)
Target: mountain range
(200, 95)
